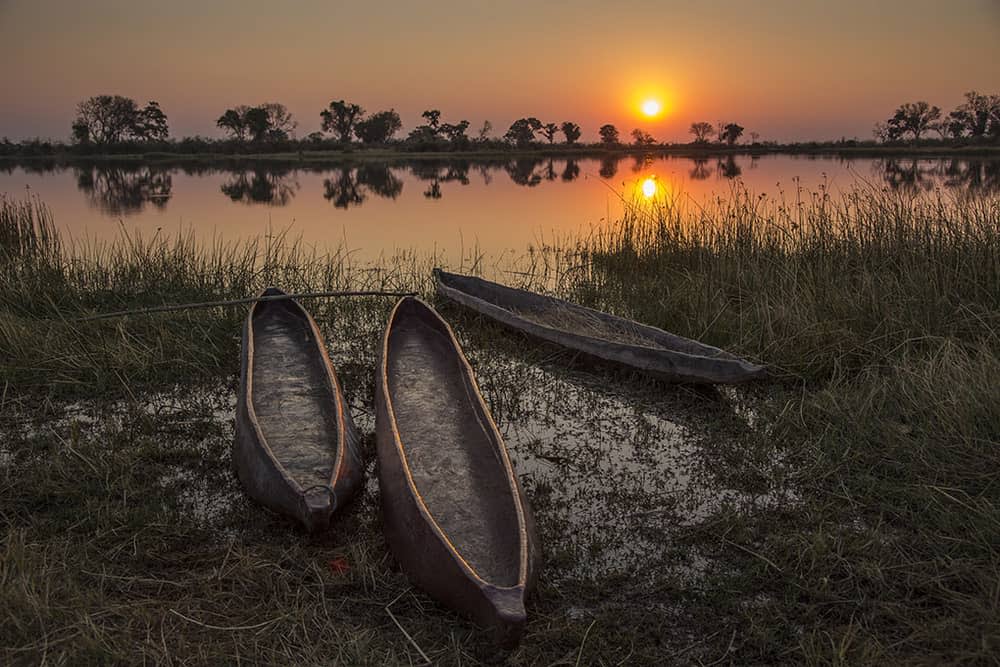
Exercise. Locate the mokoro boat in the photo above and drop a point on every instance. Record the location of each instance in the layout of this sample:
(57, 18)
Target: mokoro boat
(598, 335)
(454, 513)
(296, 449)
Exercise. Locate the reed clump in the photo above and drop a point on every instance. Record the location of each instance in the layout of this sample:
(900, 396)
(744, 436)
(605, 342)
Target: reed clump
(809, 286)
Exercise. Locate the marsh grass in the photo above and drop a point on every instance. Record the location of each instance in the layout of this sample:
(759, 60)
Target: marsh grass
(847, 513)
(811, 286)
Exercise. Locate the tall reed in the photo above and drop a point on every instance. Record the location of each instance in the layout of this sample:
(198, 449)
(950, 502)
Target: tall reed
(809, 285)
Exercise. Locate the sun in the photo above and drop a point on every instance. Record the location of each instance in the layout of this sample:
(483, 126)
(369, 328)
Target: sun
(649, 187)
(652, 107)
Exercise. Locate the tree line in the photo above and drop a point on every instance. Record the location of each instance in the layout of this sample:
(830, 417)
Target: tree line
(976, 118)
(111, 119)
(104, 122)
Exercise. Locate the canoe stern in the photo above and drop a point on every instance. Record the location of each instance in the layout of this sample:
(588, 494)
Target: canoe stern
(505, 614)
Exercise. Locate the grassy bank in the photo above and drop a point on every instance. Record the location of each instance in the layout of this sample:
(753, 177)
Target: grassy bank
(846, 512)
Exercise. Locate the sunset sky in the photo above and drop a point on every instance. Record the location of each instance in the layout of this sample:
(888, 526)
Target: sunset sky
(788, 69)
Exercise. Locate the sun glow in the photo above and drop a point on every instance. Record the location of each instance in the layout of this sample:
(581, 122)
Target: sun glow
(652, 107)
(649, 187)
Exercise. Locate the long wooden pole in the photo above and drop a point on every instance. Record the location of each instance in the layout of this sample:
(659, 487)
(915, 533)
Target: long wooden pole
(234, 302)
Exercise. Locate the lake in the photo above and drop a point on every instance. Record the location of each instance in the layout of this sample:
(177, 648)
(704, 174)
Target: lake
(443, 205)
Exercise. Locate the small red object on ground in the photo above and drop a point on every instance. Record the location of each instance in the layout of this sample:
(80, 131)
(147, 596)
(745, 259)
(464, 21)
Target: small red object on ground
(339, 565)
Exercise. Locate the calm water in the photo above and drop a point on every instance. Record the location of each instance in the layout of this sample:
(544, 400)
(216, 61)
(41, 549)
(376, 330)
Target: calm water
(436, 204)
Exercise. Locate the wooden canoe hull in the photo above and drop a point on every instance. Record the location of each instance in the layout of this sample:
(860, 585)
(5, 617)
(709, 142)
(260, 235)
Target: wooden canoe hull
(668, 357)
(421, 547)
(259, 469)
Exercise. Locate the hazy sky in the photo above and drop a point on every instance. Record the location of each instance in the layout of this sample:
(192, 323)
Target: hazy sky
(788, 69)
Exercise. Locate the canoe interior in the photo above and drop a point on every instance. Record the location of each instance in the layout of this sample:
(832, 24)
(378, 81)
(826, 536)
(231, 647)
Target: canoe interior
(292, 399)
(450, 451)
(563, 315)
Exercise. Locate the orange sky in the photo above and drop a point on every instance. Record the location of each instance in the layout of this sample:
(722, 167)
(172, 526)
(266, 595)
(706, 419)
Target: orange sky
(788, 69)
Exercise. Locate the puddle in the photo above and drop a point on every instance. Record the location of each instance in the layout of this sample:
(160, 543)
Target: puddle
(614, 473)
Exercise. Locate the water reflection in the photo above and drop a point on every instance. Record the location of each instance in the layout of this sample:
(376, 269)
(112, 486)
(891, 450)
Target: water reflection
(699, 172)
(436, 172)
(915, 174)
(609, 167)
(728, 168)
(119, 189)
(261, 186)
(571, 171)
(523, 171)
(124, 190)
(350, 186)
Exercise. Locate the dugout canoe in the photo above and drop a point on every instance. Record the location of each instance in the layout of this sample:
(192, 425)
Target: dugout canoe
(296, 448)
(454, 514)
(598, 335)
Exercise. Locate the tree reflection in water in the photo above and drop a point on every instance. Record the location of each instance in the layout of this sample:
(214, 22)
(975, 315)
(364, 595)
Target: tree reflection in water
(609, 167)
(728, 168)
(261, 186)
(343, 189)
(699, 172)
(923, 175)
(121, 189)
(124, 190)
(350, 186)
(571, 172)
(522, 171)
(436, 172)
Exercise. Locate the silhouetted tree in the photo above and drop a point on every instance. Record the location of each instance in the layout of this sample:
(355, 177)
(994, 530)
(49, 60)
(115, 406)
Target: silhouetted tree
(340, 118)
(979, 115)
(379, 127)
(953, 127)
(571, 131)
(266, 122)
(258, 123)
(641, 138)
(754, 136)
(280, 123)
(912, 118)
(433, 117)
(484, 131)
(701, 131)
(731, 133)
(609, 134)
(151, 123)
(109, 119)
(456, 133)
(80, 132)
(522, 131)
(549, 132)
(881, 132)
(234, 121)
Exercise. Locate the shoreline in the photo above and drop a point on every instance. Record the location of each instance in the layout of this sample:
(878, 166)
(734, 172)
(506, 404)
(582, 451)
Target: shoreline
(340, 156)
